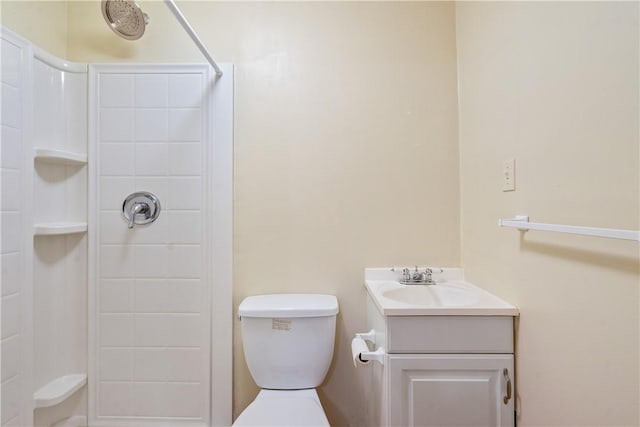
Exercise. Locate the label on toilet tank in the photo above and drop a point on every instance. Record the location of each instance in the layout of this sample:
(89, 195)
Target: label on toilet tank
(281, 324)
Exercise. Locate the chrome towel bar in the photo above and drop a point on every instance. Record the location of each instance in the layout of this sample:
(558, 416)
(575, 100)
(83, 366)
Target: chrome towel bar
(521, 222)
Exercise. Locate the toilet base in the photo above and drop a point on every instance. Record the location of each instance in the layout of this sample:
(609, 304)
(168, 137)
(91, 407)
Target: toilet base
(284, 408)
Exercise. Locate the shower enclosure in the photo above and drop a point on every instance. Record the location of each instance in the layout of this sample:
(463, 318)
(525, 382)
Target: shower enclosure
(104, 324)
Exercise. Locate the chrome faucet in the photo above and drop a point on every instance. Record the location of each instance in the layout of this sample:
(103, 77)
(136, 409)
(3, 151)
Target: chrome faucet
(419, 277)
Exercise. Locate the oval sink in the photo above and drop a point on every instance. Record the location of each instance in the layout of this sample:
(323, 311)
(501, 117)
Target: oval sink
(432, 295)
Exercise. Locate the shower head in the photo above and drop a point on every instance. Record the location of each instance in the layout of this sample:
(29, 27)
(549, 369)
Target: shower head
(125, 18)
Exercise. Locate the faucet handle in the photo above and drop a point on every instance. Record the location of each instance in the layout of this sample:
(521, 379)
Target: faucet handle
(406, 274)
(140, 208)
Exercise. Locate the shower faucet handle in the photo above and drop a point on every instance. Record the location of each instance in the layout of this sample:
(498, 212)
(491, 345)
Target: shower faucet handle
(140, 208)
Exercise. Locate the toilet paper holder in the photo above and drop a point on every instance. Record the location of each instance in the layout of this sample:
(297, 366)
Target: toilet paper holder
(366, 356)
(377, 355)
(368, 336)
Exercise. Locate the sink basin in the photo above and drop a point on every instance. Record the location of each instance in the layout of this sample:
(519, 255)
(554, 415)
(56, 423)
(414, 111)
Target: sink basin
(441, 295)
(452, 295)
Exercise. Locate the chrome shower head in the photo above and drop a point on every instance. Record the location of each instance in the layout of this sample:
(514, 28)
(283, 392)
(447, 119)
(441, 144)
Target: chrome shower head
(125, 18)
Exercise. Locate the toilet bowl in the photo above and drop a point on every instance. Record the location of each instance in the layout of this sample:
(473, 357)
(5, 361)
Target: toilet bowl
(288, 346)
(284, 408)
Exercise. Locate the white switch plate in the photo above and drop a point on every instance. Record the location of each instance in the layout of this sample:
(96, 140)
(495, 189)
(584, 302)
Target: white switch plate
(509, 175)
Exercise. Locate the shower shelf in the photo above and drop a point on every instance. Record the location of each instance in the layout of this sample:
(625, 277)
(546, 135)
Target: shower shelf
(59, 228)
(60, 157)
(58, 390)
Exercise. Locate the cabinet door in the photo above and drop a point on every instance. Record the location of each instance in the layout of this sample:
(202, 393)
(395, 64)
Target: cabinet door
(450, 390)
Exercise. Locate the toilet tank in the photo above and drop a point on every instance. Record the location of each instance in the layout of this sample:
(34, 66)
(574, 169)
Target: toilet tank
(288, 338)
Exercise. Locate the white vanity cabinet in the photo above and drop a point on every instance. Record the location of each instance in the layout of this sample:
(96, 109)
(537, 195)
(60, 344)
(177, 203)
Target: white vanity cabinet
(451, 370)
(449, 390)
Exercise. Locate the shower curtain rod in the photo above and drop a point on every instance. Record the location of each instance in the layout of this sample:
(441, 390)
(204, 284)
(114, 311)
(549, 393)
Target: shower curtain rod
(185, 24)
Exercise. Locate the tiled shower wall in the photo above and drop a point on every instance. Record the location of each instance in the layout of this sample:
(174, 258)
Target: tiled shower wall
(14, 342)
(152, 302)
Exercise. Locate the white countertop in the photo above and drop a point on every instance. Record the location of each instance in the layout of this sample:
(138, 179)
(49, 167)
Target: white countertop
(450, 296)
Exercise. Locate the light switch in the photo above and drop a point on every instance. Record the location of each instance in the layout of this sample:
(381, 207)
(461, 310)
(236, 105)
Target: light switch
(509, 175)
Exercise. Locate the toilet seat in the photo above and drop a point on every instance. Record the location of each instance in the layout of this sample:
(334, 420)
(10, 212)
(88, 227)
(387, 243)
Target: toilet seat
(284, 408)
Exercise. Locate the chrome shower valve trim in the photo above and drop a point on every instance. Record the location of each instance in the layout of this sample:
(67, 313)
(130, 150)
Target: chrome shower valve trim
(140, 208)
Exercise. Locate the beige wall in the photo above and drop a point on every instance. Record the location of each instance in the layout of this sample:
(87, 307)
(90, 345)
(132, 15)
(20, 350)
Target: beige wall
(42, 22)
(346, 151)
(346, 157)
(555, 85)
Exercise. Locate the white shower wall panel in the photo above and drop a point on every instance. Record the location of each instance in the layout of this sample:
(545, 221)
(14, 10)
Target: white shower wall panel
(15, 282)
(59, 261)
(61, 110)
(151, 353)
(60, 295)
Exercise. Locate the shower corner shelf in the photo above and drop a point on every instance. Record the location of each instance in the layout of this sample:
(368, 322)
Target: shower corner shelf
(58, 390)
(59, 228)
(60, 157)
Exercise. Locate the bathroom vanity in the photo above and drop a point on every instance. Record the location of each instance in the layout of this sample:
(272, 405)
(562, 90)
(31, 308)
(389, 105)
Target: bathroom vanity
(448, 352)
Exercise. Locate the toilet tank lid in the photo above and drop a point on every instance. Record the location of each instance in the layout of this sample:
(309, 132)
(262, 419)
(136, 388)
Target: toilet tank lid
(289, 305)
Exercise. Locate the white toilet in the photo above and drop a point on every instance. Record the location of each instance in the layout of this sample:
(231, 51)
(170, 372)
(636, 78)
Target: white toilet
(288, 345)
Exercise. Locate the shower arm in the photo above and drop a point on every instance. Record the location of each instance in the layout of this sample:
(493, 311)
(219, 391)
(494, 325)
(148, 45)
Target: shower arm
(185, 24)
